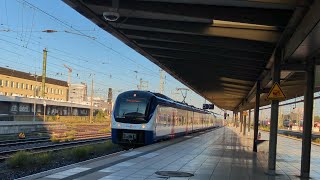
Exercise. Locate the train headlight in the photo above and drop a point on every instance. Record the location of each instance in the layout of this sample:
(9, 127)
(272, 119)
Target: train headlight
(118, 125)
(143, 126)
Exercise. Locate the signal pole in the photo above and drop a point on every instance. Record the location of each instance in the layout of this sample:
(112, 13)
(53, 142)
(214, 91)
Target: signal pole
(69, 79)
(44, 72)
(162, 81)
(143, 85)
(109, 101)
(91, 103)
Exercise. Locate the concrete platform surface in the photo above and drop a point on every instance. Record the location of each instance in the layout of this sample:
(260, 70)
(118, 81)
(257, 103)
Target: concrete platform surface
(219, 154)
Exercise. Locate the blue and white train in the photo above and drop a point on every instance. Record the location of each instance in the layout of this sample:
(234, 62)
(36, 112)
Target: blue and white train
(143, 117)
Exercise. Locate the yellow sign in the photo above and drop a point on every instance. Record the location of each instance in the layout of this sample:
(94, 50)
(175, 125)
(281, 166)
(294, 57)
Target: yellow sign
(276, 93)
(245, 113)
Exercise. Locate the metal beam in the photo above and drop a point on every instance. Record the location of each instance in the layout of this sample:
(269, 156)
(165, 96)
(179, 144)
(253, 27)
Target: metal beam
(274, 118)
(152, 13)
(249, 123)
(166, 59)
(199, 29)
(170, 11)
(256, 117)
(202, 49)
(241, 121)
(307, 117)
(293, 67)
(310, 20)
(195, 55)
(297, 16)
(217, 42)
(244, 125)
(265, 4)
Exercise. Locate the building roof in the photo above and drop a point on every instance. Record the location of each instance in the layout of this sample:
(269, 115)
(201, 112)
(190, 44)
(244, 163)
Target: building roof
(29, 76)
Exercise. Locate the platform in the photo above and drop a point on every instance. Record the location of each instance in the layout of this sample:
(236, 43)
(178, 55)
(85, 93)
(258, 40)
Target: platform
(219, 154)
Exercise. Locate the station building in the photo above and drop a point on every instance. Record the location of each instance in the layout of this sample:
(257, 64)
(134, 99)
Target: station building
(18, 83)
(78, 93)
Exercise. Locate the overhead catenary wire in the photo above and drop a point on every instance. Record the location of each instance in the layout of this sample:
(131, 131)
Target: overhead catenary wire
(149, 75)
(86, 60)
(95, 40)
(66, 61)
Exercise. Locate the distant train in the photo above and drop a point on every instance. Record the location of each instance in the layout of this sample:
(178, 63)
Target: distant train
(142, 117)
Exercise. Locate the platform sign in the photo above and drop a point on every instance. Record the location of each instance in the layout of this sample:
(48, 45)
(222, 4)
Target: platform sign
(317, 83)
(245, 113)
(208, 106)
(276, 93)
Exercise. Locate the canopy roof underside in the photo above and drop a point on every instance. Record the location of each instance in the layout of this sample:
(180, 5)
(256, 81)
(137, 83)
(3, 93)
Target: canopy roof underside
(218, 48)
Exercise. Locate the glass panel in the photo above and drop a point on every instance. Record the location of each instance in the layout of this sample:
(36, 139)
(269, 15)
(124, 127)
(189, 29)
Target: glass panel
(131, 108)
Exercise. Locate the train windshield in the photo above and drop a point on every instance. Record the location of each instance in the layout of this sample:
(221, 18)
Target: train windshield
(131, 109)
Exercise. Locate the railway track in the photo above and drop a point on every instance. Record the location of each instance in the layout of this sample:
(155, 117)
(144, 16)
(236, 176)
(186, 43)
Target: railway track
(47, 139)
(24, 141)
(297, 134)
(54, 146)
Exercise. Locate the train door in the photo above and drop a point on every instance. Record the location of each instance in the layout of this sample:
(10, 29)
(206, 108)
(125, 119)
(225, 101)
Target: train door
(192, 120)
(187, 121)
(172, 122)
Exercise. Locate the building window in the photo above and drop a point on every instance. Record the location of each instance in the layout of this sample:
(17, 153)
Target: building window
(27, 86)
(1, 83)
(12, 84)
(18, 85)
(46, 90)
(51, 91)
(7, 83)
(31, 86)
(62, 92)
(22, 86)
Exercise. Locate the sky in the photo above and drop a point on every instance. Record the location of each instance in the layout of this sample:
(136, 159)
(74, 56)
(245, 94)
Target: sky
(91, 52)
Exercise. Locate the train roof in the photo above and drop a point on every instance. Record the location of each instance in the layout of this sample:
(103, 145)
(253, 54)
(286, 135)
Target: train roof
(168, 100)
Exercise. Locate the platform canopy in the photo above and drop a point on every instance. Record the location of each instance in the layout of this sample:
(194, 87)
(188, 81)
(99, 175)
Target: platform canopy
(218, 48)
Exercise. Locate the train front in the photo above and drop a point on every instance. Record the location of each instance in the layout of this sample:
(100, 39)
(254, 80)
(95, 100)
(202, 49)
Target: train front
(131, 123)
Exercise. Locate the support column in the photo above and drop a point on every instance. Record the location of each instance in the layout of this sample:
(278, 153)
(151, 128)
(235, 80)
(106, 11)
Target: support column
(244, 125)
(241, 120)
(307, 119)
(234, 119)
(249, 119)
(274, 117)
(256, 117)
(238, 120)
